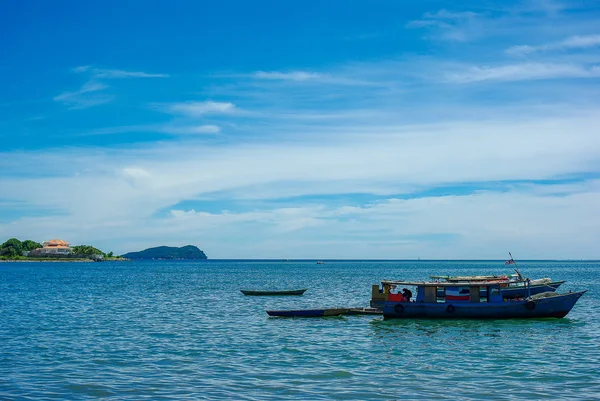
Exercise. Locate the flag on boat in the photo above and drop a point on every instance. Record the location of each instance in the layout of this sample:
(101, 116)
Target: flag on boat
(508, 262)
(458, 294)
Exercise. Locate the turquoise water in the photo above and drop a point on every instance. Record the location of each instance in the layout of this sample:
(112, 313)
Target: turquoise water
(181, 330)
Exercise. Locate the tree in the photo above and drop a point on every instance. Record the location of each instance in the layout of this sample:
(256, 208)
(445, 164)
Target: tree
(86, 250)
(110, 254)
(11, 248)
(29, 245)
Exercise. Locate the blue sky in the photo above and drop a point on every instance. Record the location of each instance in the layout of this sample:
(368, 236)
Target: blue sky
(331, 129)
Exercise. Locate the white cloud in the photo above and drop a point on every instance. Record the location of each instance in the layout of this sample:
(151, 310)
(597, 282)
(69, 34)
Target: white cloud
(522, 72)
(131, 186)
(99, 73)
(195, 109)
(451, 25)
(278, 79)
(82, 68)
(136, 173)
(281, 220)
(291, 76)
(190, 129)
(548, 7)
(481, 225)
(441, 18)
(573, 42)
(137, 177)
(173, 128)
(509, 22)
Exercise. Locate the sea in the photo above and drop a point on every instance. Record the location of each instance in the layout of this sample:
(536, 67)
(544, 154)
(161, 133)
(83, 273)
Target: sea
(181, 330)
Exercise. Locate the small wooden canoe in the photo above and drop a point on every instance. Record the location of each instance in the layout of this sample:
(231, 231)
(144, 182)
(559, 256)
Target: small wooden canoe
(282, 292)
(308, 312)
(324, 312)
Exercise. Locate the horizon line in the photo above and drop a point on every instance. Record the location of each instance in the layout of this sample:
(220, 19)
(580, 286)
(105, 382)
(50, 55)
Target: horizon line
(399, 260)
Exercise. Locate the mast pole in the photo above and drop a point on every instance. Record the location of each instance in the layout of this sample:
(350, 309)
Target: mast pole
(516, 267)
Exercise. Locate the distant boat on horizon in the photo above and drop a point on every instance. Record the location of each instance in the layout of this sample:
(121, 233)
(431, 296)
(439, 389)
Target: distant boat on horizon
(320, 262)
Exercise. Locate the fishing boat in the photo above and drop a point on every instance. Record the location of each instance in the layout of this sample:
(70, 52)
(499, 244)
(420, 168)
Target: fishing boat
(273, 292)
(464, 300)
(514, 290)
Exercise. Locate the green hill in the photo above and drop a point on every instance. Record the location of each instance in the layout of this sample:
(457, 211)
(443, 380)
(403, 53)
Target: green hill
(168, 252)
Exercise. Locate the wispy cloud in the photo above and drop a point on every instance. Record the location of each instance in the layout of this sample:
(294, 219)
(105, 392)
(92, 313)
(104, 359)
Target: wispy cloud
(115, 74)
(548, 7)
(509, 21)
(197, 109)
(285, 219)
(441, 18)
(297, 77)
(85, 97)
(573, 42)
(169, 128)
(291, 76)
(451, 25)
(522, 72)
(190, 129)
(338, 78)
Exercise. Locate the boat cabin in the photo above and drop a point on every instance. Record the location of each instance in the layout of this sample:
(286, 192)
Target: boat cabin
(437, 292)
(466, 292)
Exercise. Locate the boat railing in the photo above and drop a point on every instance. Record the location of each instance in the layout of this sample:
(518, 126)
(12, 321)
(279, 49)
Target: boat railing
(480, 291)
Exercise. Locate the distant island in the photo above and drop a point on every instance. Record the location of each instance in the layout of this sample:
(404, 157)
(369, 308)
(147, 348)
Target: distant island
(168, 252)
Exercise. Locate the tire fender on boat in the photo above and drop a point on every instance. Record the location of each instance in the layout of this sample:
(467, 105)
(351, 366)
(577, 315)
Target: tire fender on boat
(530, 305)
(399, 308)
(450, 309)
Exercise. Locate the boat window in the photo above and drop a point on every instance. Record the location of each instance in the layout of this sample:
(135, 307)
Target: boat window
(441, 294)
(484, 294)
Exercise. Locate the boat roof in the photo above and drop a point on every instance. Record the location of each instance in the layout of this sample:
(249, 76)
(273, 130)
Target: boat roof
(444, 284)
(475, 278)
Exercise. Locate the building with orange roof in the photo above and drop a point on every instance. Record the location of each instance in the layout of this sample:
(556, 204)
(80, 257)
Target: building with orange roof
(53, 247)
